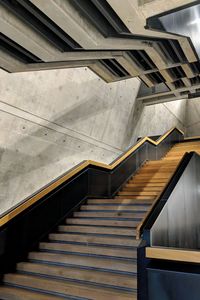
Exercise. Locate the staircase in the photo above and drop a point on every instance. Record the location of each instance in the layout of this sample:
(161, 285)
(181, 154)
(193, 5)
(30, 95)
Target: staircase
(94, 254)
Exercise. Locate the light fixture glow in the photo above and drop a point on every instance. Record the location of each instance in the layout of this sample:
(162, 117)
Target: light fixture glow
(197, 21)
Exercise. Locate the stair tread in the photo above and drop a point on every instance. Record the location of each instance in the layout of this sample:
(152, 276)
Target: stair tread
(146, 186)
(123, 241)
(142, 189)
(86, 249)
(107, 214)
(13, 293)
(132, 197)
(117, 206)
(67, 288)
(98, 277)
(97, 230)
(152, 176)
(117, 201)
(113, 223)
(141, 193)
(121, 265)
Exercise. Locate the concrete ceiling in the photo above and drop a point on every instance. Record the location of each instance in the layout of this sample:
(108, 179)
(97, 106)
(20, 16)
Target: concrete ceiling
(108, 36)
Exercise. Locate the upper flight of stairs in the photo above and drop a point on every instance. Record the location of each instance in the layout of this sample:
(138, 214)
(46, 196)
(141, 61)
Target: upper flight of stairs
(94, 254)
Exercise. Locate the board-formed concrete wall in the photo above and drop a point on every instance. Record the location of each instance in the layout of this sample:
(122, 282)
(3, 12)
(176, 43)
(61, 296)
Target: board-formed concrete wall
(157, 119)
(52, 120)
(193, 117)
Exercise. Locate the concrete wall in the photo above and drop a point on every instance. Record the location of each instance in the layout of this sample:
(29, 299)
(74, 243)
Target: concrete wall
(193, 117)
(157, 119)
(52, 120)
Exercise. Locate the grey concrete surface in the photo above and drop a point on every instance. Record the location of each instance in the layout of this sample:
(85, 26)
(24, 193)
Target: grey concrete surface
(157, 119)
(193, 117)
(52, 120)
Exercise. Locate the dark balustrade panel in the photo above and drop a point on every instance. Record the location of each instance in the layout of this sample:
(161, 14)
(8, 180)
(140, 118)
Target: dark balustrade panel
(25, 231)
(173, 284)
(127, 168)
(98, 183)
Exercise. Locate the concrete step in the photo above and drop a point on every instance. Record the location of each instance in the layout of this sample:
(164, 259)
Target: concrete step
(141, 189)
(153, 176)
(145, 185)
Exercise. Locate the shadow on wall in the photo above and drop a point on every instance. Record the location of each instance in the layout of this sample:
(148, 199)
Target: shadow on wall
(83, 110)
(135, 116)
(23, 162)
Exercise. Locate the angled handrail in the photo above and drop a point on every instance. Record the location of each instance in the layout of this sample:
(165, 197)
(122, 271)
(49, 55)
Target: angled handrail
(173, 254)
(71, 173)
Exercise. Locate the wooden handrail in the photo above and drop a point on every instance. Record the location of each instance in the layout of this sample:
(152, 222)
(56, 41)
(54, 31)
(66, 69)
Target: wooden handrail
(138, 229)
(30, 201)
(182, 255)
(192, 138)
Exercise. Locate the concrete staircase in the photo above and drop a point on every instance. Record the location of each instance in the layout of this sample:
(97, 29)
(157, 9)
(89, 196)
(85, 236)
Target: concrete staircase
(94, 254)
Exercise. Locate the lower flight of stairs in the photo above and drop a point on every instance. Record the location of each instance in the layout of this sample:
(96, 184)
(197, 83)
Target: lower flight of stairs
(94, 254)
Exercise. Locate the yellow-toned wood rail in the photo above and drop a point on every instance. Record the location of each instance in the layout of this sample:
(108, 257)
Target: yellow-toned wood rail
(30, 201)
(183, 255)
